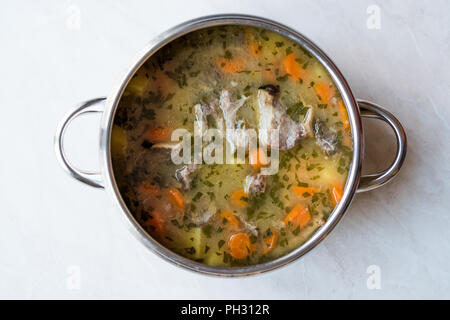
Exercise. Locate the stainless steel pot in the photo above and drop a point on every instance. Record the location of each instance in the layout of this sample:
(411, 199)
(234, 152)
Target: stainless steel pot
(356, 109)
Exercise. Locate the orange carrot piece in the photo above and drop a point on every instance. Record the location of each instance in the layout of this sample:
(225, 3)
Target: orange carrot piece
(324, 91)
(147, 190)
(343, 114)
(162, 82)
(292, 67)
(270, 241)
(149, 195)
(301, 191)
(239, 199)
(257, 158)
(299, 216)
(240, 245)
(255, 49)
(230, 218)
(156, 223)
(268, 76)
(176, 198)
(155, 135)
(254, 45)
(346, 139)
(336, 193)
(231, 65)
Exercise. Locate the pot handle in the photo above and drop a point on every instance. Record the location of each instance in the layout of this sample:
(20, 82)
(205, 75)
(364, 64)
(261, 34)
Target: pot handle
(376, 180)
(91, 178)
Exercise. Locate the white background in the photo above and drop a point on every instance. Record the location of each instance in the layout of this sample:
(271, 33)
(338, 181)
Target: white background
(55, 230)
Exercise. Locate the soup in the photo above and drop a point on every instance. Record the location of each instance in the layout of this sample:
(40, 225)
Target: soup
(272, 190)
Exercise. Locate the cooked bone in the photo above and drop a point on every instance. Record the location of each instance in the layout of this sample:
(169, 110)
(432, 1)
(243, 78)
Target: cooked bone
(202, 215)
(185, 175)
(308, 122)
(230, 108)
(168, 145)
(234, 134)
(201, 124)
(326, 139)
(255, 184)
(249, 227)
(276, 128)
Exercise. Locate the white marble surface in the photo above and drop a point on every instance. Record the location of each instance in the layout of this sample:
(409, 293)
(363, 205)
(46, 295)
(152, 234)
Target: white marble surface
(53, 228)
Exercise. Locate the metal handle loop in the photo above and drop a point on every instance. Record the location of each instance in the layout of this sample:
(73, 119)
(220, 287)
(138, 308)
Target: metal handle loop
(376, 180)
(91, 178)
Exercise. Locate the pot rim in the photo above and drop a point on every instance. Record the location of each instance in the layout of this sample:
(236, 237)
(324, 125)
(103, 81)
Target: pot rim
(340, 82)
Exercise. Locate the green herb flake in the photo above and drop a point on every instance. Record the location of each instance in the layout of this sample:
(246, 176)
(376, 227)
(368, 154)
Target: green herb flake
(197, 196)
(228, 55)
(283, 78)
(207, 230)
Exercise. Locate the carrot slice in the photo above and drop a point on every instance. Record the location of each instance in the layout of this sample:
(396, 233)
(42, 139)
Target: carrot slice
(147, 190)
(231, 66)
(336, 193)
(254, 45)
(257, 158)
(240, 245)
(270, 241)
(344, 116)
(324, 91)
(239, 199)
(305, 192)
(292, 67)
(255, 49)
(156, 223)
(162, 82)
(155, 135)
(268, 76)
(230, 218)
(176, 198)
(299, 216)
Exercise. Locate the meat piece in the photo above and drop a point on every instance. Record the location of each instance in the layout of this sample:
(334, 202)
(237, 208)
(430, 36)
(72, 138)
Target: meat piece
(201, 216)
(255, 184)
(249, 227)
(223, 113)
(201, 123)
(325, 138)
(229, 109)
(276, 128)
(308, 122)
(202, 111)
(185, 175)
